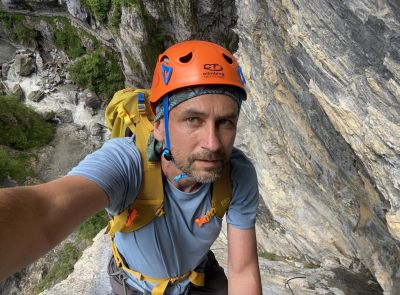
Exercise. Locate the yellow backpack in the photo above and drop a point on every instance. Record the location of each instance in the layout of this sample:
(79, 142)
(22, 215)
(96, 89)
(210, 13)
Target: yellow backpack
(130, 111)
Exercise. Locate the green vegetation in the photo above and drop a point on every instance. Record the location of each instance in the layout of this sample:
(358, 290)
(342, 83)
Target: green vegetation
(14, 164)
(98, 71)
(274, 257)
(310, 265)
(68, 40)
(115, 17)
(110, 11)
(20, 127)
(71, 252)
(67, 257)
(99, 8)
(18, 32)
(90, 228)
(20, 130)
(268, 255)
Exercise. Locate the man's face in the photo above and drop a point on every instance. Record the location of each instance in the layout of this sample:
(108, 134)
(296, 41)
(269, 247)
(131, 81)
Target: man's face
(202, 131)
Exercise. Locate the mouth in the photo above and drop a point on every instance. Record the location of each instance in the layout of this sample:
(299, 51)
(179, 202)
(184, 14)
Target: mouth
(208, 163)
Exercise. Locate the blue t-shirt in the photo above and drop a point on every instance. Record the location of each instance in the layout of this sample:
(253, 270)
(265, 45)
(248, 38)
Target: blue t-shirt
(172, 244)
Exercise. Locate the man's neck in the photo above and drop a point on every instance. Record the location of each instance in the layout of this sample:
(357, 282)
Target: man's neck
(186, 185)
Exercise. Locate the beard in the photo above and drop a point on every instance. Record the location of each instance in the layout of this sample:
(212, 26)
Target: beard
(205, 175)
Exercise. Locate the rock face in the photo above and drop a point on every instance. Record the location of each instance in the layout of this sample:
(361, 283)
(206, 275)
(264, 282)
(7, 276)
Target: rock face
(278, 278)
(90, 276)
(147, 29)
(30, 5)
(323, 116)
(76, 9)
(322, 122)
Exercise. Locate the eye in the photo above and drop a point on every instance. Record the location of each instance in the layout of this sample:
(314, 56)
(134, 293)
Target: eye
(192, 121)
(227, 123)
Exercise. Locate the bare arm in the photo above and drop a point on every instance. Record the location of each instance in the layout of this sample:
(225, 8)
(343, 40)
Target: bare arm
(34, 219)
(243, 269)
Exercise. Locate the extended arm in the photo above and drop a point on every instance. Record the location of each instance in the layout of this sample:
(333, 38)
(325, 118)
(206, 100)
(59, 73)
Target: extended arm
(33, 219)
(243, 269)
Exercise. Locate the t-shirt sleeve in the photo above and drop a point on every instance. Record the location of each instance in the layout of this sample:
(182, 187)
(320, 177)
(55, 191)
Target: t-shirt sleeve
(115, 167)
(242, 209)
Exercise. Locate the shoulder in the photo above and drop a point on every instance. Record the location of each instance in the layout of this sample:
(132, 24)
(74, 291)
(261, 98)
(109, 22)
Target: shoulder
(116, 151)
(118, 156)
(120, 145)
(242, 169)
(116, 167)
(245, 195)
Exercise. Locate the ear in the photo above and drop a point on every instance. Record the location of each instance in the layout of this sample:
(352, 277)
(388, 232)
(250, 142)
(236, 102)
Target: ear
(159, 130)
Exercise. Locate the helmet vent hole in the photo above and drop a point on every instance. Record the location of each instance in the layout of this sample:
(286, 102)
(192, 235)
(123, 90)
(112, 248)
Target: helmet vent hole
(186, 58)
(227, 58)
(164, 58)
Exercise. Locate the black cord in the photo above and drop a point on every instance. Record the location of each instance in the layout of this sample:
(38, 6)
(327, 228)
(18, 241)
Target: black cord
(287, 282)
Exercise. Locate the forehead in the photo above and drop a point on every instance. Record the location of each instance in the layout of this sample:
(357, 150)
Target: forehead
(208, 103)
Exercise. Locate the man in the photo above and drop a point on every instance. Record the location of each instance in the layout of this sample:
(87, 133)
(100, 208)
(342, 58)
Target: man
(196, 95)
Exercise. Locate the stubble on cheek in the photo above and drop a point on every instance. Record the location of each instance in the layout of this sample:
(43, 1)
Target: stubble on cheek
(205, 175)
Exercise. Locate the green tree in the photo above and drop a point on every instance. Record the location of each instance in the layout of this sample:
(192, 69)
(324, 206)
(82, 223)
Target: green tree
(98, 71)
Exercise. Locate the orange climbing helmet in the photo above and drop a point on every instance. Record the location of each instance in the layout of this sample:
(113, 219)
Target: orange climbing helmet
(192, 63)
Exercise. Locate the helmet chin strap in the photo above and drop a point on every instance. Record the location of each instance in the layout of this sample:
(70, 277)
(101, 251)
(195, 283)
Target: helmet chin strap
(167, 150)
(166, 153)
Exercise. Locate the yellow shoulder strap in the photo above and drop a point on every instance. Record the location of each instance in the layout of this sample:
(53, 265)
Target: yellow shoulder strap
(222, 193)
(130, 109)
(220, 199)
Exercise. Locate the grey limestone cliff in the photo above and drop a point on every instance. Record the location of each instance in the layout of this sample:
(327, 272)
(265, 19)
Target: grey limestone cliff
(323, 78)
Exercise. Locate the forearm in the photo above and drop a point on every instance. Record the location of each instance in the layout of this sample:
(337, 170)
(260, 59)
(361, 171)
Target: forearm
(22, 237)
(34, 219)
(243, 269)
(244, 281)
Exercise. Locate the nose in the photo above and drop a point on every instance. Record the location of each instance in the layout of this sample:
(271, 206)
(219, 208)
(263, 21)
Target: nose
(211, 140)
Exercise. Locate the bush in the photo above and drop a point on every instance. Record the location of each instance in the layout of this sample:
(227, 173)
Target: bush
(20, 127)
(115, 17)
(68, 40)
(91, 227)
(99, 8)
(98, 71)
(14, 165)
